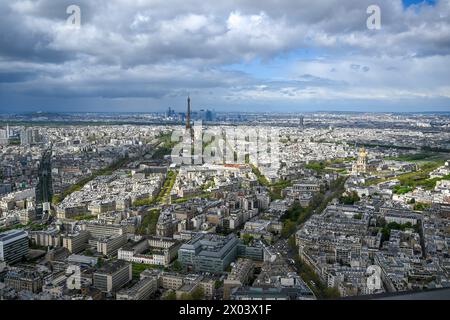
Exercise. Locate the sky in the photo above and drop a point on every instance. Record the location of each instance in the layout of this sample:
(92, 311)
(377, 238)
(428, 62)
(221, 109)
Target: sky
(235, 55)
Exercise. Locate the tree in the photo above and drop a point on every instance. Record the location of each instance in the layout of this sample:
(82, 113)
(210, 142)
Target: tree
(386, 233)
(100, 262)
(331, 293)
(56, 199)
(419, 206)
(177, 266)
(218, 284)
(317, 166)
(381, 222)
(357, 216)
(186, 296)
(247, 238)
(291, 243)
(171, 295)
(289, 228)
(198, 293)
(349, 198)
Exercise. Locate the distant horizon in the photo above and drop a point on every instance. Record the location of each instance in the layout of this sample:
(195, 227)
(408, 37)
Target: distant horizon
(225, 112)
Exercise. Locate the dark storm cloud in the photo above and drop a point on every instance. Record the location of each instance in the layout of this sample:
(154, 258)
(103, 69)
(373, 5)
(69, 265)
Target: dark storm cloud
(161, 49)
(13, 77)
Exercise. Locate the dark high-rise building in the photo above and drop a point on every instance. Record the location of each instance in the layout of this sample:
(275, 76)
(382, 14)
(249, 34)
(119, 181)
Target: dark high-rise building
(205, 115)
(188, 115)
(44, 189)
(170, 112)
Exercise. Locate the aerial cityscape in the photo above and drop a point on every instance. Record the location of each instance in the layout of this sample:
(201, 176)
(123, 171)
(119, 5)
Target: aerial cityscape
(114, 203)
(201, 190)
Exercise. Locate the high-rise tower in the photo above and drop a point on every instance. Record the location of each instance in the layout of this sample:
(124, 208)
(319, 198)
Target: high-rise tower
(188, 115)
(44, 187)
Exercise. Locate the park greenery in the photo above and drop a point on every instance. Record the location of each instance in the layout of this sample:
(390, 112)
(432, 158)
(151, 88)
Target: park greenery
(163, 194)
(165, 146)
(58, 198)
(385, 228)
(170, 295)
(247, 239)
(32, 226)
(399, 189)
(419, 206)
(357, 216)
(262, 180)
(276, 188)
(143, 202)
(138, 268)
(349, 198)
(411, 180)
(177, 266)
(218, 284)
(197, 294)
(149, 221)
(317, 166)
(321, 166)
(296, 215)
(208, 185)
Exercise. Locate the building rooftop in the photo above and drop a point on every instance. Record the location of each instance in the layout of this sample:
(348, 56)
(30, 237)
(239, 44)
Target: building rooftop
(8, 235)
(211, 245)
(112, 267)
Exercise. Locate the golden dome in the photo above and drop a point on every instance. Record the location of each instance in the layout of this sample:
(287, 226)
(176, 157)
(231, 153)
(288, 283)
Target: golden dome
(362, 152)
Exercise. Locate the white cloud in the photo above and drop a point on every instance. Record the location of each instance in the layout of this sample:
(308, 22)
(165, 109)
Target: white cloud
(161, 49)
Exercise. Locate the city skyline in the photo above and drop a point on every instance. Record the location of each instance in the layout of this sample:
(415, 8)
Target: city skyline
(258, 207)
(291, 57)
(238, 153)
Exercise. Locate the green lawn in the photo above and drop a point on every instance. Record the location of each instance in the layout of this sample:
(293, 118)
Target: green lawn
(163, 194)
(419, 178)
(137, 268)
(325, 165)
(261, 178)
(274, 188)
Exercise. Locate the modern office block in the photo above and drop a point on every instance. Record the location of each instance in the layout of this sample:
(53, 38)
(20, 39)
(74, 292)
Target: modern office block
(13, 246)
